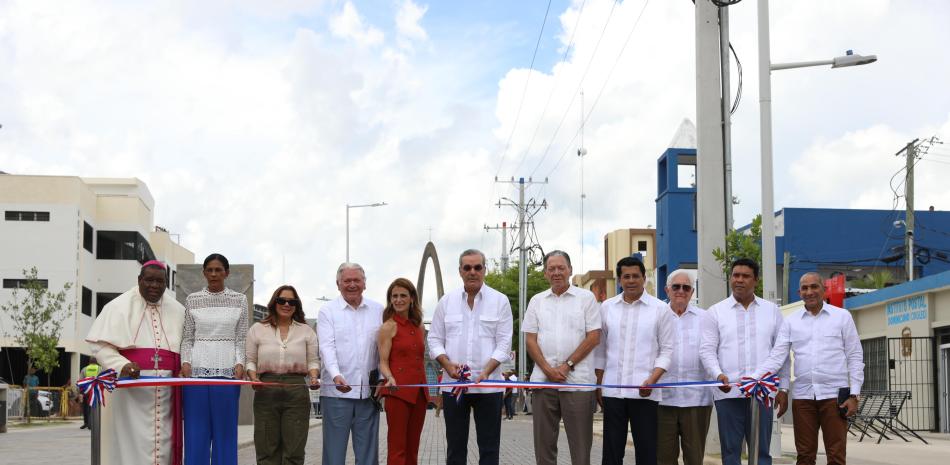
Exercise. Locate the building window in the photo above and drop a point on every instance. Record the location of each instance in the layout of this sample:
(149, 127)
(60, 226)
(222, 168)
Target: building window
(123, 245)
(87, 236)
(21, 283)
(103, 298)
(26, 216)
(876, 371)
(86, 301)
(641, 246)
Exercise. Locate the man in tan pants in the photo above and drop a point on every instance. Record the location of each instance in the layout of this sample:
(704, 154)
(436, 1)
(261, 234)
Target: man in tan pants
(561, 328)
(683, 415)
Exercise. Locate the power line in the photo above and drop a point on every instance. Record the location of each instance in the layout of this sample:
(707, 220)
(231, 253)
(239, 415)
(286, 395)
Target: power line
(580, 85)
(557, 79)
(600, 93)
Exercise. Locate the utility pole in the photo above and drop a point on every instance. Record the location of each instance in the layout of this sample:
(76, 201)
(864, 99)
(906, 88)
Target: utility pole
(504, 242)
(786, 273)
(525, 210)
(910, 151)
(581, 152)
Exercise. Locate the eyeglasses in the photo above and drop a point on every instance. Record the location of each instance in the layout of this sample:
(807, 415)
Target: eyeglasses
(472, 267)
(283, 301)
(683, 287)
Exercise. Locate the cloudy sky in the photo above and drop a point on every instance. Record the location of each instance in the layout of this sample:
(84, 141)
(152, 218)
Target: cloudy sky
(255, 123)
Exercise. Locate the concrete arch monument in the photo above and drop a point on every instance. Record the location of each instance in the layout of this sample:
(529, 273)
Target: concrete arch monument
(428, 253)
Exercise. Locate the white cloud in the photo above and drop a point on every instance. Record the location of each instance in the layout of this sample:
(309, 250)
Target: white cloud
(254, 130)
(349, 24)
(408, 18)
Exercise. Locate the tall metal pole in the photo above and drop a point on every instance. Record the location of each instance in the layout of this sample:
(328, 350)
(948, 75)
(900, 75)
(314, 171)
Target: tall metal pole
(504, 247)
(522, 278)
(724, 63)
(710, 191)
(581, 152)
(347, 233)
(94, 417)
(765, 133)
(909, 219)
(753, 438)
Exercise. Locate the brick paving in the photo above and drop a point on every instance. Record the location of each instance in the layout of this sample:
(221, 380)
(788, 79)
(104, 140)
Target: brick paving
(517, 446)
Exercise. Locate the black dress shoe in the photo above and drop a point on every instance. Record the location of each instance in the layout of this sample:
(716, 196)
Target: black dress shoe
(83, 427)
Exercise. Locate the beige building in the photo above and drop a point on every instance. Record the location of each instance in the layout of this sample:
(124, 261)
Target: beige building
(905, 334)
(619, 244)
(91, 232)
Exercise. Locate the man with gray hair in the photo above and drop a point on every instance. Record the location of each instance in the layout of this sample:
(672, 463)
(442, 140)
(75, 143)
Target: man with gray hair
(472, 328)
(347, 327)
(829, 371)
(561, 327)
(683, 415)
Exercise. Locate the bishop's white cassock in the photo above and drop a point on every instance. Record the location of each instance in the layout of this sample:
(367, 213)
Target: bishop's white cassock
(137, 423)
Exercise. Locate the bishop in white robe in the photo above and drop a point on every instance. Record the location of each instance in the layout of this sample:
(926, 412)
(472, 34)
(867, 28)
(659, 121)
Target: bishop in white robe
(139, 334)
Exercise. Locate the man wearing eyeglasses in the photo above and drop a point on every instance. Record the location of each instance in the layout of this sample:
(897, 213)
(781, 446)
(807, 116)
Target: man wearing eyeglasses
(472, 327)
(347, 328)
(684, 413)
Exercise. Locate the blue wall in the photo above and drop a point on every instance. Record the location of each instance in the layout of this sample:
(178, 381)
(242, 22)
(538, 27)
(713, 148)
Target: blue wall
(856, 238)
(675, 213)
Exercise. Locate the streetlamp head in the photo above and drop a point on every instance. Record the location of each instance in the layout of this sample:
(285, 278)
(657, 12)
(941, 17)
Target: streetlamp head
(853, 59)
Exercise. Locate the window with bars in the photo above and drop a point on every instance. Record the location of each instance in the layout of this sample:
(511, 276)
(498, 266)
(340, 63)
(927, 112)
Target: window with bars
(875, 364)
(21, 283)
(11, 215)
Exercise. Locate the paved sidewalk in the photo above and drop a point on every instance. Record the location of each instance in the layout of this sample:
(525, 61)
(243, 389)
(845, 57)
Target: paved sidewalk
(66, 444)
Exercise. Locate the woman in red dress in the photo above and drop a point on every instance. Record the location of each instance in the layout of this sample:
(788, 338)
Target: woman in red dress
(401, 354)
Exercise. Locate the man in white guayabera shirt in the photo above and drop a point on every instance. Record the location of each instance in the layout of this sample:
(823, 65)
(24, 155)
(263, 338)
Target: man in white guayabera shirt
(738, 335)
(347, 328)
(829, 371)
(684, 412)
(561, 328)
(472, 326)
(635, 349)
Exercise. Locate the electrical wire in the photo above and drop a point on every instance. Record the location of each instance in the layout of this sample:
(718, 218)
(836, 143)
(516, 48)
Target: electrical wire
(554, 87)
(600, 94)
(580, 86)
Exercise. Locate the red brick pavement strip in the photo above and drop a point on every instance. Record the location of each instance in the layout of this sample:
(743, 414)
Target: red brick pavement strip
(517, 444)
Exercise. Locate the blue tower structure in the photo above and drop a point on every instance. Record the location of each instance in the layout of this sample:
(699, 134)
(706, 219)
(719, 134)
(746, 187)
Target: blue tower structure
(675, 214)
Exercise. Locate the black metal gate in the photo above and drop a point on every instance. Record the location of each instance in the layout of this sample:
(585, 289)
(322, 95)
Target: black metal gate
(912, 366)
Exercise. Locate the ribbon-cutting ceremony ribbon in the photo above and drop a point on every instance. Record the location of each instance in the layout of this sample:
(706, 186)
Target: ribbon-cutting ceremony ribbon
(761, 389)
(94, 387)
(465, 378)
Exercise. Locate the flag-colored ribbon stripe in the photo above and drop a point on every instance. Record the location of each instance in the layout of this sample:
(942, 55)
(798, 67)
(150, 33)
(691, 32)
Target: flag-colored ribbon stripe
(465, 380)
(762, 388)
(94, 387)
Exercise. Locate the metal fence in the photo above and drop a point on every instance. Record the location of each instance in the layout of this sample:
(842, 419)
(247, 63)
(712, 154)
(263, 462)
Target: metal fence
(912, 363)
(876, 372)
(45, 402)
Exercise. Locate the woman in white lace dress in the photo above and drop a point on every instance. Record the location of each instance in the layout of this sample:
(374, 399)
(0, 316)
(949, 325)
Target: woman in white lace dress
(213, 347)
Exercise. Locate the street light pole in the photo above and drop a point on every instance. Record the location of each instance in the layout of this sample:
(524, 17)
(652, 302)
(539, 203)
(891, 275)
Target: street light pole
(769, 274)
(348, 207)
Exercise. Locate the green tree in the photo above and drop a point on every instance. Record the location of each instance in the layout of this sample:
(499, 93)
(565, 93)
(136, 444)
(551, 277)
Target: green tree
(507, 283)
(742, 244)
(37, 317)
(873, 280)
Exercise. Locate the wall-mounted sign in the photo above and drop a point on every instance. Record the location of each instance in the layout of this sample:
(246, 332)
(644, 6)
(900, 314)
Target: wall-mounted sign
(907, 310)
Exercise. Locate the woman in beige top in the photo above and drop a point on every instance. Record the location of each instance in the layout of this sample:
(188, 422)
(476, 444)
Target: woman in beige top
(282, 349)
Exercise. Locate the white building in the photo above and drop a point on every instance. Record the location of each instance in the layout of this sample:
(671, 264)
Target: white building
(92, 232)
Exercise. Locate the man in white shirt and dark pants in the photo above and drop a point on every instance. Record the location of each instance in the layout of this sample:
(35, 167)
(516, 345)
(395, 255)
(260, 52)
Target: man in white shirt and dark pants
(347, 327)
(561, 328)
(635, 349)
(684, 412)
(738, 334)
(828, 358)
(472, 326)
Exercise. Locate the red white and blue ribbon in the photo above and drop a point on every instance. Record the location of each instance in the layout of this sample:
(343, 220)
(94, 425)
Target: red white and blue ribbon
(762, 389)
(465, 379)
(94, 387)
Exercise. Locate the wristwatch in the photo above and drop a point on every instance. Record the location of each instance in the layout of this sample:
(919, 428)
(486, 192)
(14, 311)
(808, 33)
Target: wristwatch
(570, 365)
